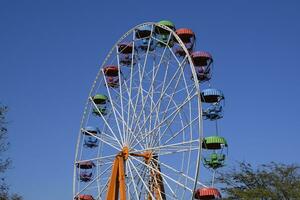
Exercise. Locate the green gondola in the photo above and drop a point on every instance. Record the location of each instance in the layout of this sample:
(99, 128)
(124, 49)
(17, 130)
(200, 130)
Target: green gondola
(100, 100)
(214, 142)
(214, 161)
(163, 35)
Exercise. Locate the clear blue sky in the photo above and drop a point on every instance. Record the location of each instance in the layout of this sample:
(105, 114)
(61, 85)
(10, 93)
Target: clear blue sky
(49, 51)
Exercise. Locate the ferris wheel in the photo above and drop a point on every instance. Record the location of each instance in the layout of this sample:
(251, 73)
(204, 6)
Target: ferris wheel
(141, 134)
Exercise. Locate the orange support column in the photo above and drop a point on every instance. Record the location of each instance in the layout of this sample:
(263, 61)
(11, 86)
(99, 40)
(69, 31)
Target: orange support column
(122, 179)
(117, 184)
(112, 192)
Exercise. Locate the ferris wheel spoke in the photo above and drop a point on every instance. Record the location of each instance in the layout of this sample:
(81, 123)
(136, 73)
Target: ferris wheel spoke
(113, 109)
(174, 135)
(175, 113)
(98, 163)
(151, 89)
(106, 123)
(92, 181)
(140, 178)
(184, 127)
(109, 158)
(139, 89)
(135, 186)
(164, 175)
(177, 110)
(138, 182)
(105, 138)
(168, 124)
(175, 145)
(130, 104)
(188, 94)
(166, 182)
(147, 96)
(175, 57)
(133, 136)
(174, 151)
(171, 100)
(195, 148)
(141, 74)
(141, 92)
(160, 98)
(120, 88)
(130, 87)
(121, 119)
(105, 186)
(162, 88)
(162, 42)
(190, 87)
(128, 129)
(190, 124)
(180, 173)
(176, 85)
(139, 131)
(145, 100)
(152, 97)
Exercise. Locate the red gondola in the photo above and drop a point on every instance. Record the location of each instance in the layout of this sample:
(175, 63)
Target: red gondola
(84, 197)
(202, 61)
(186, 35)
(112, 75)
(111, 70)
(207, 194)
(188, 38)
(201, 58)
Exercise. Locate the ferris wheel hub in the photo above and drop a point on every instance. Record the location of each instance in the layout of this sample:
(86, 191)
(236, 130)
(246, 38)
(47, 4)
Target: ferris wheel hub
(125, 152)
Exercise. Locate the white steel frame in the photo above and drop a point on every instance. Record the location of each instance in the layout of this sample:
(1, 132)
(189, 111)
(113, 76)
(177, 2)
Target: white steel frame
(141, 123)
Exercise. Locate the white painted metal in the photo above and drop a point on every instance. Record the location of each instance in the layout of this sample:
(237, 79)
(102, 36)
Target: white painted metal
(143, 111)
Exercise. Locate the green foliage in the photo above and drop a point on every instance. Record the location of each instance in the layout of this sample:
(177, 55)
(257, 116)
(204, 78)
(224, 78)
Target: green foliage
(4, 162)
(5, 196)
(16, 197)
(271, 181)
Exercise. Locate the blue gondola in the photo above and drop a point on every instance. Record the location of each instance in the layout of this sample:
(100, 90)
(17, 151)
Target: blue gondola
(143, 34)
(213, 112)
(90, 141)
(212, 95)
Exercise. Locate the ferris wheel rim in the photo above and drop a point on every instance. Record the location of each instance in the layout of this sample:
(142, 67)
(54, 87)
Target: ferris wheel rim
(196, 84)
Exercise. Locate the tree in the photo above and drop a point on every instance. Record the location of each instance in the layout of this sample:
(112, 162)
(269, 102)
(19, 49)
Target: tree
(271, 181)
(4, 162)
